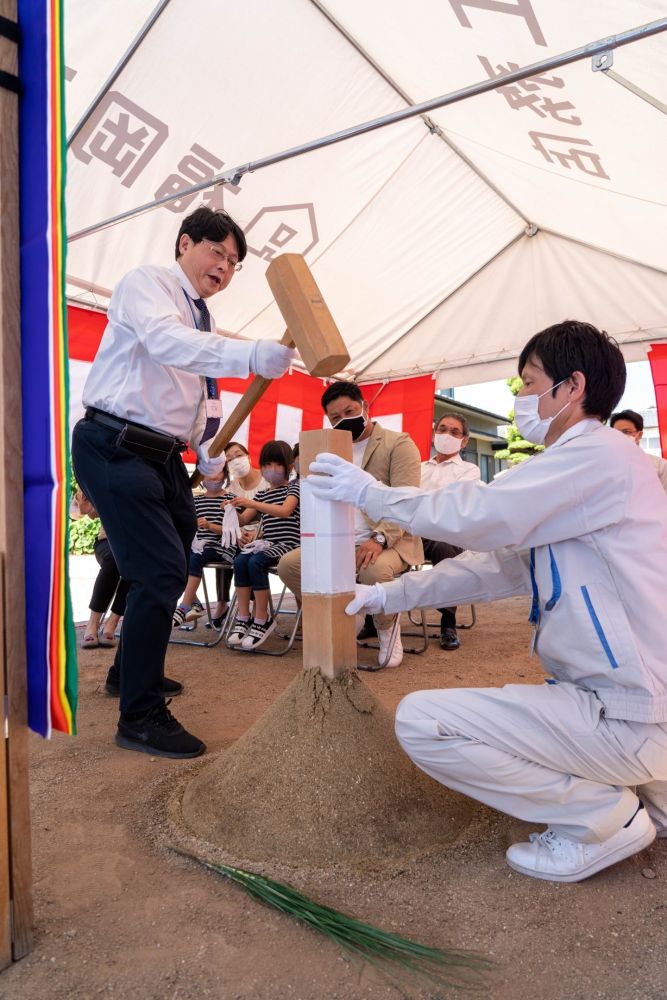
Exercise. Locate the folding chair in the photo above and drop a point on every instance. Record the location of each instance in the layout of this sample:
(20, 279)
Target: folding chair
(275, 609)
(217, 634)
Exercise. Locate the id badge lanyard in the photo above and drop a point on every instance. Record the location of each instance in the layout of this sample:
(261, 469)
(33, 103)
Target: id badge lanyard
(535, 612)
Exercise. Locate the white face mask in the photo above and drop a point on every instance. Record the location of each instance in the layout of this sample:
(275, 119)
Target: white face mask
(445, 444)
(530, 424)
(239, 467)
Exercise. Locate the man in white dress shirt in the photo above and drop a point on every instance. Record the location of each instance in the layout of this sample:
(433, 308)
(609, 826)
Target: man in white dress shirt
(631, 424)
(152, 388)
(450, 436)
(582, 527)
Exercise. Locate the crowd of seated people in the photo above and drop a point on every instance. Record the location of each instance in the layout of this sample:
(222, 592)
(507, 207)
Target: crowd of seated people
(264, 535)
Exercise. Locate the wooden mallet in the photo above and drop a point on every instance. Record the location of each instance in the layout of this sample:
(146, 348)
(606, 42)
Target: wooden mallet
(310, 328)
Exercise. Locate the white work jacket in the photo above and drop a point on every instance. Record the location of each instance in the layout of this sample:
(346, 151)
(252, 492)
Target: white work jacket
(591, 515)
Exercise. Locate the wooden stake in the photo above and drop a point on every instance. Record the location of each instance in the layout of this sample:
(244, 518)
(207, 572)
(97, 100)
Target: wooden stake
(15, 814)
(329, 635)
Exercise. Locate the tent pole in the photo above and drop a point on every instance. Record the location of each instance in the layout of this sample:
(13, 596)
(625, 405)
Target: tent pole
(428, 122)
(117, 70)
(15, 857)
(485, 86)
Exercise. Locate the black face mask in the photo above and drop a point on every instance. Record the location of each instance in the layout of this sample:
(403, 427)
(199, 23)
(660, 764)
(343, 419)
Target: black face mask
(356, 426)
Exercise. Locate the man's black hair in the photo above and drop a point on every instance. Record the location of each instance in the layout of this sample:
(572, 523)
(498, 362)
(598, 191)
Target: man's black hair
(631, 416)
(454, 416)
(279, 452)
(580, 347)
(337, 389)
(205, 224)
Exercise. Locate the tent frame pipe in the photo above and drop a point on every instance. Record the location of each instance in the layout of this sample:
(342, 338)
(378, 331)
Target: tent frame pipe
(485, 86)
(637, 91)
(433, 128)
(117, 70)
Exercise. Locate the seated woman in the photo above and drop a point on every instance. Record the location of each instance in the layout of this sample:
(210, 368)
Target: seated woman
(278, 511)
(206, 548)
(108, 589)
(244, 481)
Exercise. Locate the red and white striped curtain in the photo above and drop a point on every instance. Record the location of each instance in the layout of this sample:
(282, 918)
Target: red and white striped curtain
(290, 405)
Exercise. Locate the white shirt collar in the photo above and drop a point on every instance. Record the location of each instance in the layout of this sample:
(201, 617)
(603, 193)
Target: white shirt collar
(455, 458)
(584, 426)
(184, 281)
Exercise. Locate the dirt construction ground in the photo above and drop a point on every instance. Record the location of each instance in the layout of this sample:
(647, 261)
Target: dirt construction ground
(118, 914)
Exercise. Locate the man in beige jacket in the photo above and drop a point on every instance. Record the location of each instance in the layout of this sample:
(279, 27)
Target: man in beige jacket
(383, 550)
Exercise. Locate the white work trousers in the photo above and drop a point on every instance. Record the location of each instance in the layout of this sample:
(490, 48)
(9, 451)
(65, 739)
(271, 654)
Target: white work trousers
(543, 753)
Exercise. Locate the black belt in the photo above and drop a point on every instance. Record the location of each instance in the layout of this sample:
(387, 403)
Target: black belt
(142, 441)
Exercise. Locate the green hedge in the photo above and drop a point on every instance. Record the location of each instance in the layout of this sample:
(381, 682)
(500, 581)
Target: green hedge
(82, 535)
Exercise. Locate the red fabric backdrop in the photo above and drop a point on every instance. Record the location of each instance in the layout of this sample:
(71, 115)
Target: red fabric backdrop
(658, 360)
(292, 403)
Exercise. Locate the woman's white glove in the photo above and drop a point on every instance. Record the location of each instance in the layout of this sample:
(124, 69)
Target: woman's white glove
(338, 479)
(231, 529)
(197, 545)
(270, 359)
(209, 467)
(368, 600)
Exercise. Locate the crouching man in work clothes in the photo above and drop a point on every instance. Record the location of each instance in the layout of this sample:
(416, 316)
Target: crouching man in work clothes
(582, 527)
(151, 388)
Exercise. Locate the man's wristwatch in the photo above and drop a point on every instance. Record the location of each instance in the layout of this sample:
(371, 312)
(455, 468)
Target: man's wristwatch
(380, 538)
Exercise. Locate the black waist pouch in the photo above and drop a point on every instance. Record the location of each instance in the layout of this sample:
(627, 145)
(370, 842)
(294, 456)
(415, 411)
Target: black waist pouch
(148, 444)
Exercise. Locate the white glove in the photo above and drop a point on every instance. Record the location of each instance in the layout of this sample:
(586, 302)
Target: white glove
(197, 545)
(209, 467)
(231, 529)
(258, 545)
(341, 480)
(271, 359)
(368, 600)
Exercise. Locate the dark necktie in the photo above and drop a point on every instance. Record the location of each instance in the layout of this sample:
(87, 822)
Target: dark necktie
(204, 324)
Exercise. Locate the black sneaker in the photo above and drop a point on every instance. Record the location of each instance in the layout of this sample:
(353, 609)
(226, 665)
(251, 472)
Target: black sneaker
(238, 633)
(158, 733)
(169, 688)
(449, 639)
(368, 630)
(258, 633)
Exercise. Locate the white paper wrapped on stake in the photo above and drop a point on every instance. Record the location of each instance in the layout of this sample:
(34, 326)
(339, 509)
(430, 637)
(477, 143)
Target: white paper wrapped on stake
(327, 545)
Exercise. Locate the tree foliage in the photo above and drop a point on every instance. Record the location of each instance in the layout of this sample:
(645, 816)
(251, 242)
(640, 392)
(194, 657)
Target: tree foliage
(518, 449)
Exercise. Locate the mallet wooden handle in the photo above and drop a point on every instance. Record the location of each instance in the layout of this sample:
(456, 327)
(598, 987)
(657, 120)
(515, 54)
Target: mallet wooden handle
(250, 397)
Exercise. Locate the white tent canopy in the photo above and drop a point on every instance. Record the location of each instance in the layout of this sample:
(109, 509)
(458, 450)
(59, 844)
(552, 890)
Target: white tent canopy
(440, 243)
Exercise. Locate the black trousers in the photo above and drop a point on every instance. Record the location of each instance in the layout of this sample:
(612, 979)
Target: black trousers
(149, 516)
(436, 552)
(108, 587)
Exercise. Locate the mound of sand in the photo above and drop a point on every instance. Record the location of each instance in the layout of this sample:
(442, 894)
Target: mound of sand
(320, 780)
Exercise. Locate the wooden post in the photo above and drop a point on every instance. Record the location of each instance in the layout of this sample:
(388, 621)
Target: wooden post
(15, 805)
(327, 565)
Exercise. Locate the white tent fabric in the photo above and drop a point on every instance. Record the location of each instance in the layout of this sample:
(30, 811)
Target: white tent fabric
(440, 243)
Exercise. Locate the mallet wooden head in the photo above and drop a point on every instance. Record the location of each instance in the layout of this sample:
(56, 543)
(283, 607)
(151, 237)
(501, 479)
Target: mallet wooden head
(310, 325)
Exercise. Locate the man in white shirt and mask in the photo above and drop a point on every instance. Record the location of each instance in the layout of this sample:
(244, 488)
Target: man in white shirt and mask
(582, 527)
(450, 436)
(152, 387)
(631, 424)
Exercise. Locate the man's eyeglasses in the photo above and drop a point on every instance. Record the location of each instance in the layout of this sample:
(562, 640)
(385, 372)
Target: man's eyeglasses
(454, 432)
(223, 257)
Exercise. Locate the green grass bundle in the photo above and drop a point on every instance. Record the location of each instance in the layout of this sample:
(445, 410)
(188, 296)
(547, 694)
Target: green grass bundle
(390, 953)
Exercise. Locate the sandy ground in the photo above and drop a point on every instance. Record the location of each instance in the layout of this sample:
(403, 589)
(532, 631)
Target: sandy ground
(118, 914)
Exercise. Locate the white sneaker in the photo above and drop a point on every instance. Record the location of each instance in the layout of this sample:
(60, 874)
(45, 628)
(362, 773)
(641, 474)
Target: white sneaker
(656, 807)
(556, 858)
(386, 658)
(258, 633)
(239, 631)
